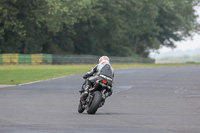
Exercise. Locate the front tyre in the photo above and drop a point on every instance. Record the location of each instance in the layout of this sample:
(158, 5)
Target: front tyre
(80, 107)
(97, 97)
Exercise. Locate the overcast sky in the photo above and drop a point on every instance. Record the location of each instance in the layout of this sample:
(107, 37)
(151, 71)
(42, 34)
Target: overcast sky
(183, 45)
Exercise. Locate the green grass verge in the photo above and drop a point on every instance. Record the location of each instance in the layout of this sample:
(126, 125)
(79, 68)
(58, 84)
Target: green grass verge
(18, 74)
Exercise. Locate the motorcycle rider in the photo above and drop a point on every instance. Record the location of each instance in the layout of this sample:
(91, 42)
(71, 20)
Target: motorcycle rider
(102, 69)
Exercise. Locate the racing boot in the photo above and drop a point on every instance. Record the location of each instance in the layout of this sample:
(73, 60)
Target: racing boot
(85, 93)
(82, 90)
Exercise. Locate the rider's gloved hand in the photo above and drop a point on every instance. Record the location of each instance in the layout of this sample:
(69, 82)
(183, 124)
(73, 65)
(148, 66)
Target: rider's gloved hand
(85, 76)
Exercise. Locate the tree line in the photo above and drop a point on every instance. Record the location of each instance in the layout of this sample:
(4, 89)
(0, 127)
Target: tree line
(97, 27)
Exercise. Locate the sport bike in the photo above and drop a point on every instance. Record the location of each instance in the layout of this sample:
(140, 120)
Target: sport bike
(96, 96)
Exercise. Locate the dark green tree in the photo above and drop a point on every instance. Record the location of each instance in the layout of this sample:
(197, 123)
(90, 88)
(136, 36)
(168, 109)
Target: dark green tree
(109, 27)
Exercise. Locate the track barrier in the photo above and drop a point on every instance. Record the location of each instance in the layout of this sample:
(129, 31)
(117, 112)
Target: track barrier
(37, 59)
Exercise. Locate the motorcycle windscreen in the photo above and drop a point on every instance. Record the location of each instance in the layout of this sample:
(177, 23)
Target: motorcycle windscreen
(106, 70)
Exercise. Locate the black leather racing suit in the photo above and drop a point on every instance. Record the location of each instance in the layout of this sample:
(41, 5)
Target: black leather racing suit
(92, 75)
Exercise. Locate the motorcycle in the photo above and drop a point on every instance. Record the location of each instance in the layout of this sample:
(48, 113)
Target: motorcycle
(96, 96)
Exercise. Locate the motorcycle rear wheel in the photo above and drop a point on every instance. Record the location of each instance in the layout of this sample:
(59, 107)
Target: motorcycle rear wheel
(97, 97)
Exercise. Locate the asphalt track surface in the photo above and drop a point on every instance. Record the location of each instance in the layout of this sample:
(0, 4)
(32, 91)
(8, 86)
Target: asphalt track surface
(145, 100)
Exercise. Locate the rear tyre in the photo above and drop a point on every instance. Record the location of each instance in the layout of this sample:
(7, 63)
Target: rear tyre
(80, 107)
(97, 97)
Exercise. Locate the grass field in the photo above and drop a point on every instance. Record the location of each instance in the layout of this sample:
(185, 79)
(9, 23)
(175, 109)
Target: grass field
(18, 74)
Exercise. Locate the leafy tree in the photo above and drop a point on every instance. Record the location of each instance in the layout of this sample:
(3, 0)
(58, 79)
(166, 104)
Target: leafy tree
(177, 21)
(111, 27)
(11, 29)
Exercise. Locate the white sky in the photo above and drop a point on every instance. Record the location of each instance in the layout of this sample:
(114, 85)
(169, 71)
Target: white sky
(189, 44)
(184, 45)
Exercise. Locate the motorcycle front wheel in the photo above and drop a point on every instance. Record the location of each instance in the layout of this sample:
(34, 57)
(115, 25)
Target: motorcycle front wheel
(80, 107)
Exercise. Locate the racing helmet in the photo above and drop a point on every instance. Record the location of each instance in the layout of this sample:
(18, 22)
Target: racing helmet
(103, 59)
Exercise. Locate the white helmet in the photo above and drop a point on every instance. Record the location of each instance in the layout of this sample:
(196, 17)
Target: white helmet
(103, 59)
